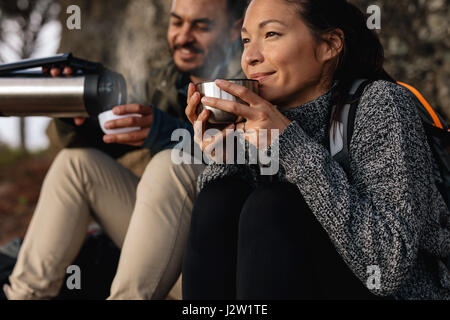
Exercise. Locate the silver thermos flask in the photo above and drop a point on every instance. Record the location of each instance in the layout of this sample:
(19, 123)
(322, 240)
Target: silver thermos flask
(90, 91)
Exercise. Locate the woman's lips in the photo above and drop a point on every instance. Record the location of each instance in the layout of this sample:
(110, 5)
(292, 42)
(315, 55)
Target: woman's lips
(261, 76)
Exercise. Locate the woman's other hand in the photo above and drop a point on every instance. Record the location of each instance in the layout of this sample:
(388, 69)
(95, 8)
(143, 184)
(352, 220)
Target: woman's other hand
(207, 142)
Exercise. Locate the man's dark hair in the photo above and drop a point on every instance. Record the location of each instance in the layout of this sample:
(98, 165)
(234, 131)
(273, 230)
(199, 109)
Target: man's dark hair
(236, 9)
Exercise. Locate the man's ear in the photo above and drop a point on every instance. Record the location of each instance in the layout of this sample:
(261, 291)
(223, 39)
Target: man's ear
(235, 31)
(332, 45)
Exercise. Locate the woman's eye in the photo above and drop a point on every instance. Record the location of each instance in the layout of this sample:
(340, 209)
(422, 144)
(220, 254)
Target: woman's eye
(271, 34)
(245, 40)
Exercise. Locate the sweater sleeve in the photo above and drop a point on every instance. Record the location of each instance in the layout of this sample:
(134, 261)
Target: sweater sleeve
(247, 171)
(375, 215)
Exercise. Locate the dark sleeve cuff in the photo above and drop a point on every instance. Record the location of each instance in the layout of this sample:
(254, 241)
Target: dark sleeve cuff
(163, 125)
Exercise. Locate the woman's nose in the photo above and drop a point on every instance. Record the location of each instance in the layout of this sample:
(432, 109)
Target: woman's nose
(252, 55)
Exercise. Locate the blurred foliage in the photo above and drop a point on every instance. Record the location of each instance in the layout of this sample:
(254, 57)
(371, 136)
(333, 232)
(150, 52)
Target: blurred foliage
(10, 156)
(21, 25)
(21, 176)
(26, 19)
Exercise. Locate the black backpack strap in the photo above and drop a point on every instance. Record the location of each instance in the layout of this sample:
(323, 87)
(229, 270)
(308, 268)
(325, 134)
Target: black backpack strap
(341, 131)
(430, 128)
(438, 136)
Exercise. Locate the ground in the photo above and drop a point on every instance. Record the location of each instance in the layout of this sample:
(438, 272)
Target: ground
(21, 177)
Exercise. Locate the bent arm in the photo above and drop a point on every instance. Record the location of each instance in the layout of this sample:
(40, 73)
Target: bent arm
(375, 215)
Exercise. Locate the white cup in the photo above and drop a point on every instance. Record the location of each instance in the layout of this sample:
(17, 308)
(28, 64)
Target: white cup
(109, 115)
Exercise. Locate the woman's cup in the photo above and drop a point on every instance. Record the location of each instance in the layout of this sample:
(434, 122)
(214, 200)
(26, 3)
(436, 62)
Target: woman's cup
(210, 89)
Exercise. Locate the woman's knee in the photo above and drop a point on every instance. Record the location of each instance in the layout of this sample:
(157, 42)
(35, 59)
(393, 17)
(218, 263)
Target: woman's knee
(223, 193)
(273, 206)
(219, 204)
(272, 198)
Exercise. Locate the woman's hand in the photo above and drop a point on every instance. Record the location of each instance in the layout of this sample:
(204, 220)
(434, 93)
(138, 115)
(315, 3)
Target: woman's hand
(208, 144)
(260, 114)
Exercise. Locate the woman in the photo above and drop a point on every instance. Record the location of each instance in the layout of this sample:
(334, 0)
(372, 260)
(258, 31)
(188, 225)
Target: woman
(313, 230)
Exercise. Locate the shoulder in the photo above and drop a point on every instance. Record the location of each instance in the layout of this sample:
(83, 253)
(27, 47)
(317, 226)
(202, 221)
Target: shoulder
(387, 102)
(385, 91)
(161, 82)
(167, 72)
(387, 114)
(381, 87)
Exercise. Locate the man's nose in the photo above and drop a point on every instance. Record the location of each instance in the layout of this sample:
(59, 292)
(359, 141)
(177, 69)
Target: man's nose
(185, 35)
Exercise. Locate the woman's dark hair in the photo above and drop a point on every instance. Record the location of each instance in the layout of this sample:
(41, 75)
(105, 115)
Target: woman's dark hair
(362, 55)
(236, 9)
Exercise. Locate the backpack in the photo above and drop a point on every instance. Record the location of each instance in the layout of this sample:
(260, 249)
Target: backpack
(436, 131)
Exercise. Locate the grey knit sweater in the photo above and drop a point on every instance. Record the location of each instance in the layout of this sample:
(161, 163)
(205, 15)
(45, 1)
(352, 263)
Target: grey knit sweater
(387, 211)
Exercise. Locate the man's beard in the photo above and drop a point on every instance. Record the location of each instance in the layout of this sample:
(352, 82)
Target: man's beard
(214, 65)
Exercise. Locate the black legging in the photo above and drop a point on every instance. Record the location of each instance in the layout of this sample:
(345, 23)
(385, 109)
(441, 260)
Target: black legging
(262, 244)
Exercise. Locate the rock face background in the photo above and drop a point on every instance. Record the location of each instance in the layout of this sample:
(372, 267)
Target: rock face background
(416, 38)
(127, 36)
(130, 37)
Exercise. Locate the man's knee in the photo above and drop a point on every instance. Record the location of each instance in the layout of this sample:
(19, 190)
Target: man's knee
(165, 159)
(69, 159)
(78, 164)
(162, 172)
(78, 155)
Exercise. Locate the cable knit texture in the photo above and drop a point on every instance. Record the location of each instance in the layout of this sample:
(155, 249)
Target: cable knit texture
(386, 212)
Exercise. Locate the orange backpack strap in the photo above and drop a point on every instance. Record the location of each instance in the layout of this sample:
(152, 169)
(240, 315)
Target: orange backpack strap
(433, 115)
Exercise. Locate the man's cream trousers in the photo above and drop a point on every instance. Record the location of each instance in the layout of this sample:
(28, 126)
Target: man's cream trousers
(148, 218)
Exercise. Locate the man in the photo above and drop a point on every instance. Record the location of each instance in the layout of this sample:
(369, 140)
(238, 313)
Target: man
(149, 219)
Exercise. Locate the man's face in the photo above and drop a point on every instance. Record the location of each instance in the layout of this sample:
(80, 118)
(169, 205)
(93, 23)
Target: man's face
(198, 33)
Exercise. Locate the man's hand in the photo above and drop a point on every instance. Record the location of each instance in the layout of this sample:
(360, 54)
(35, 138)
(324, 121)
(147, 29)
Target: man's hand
(135, 138)
(66, 71)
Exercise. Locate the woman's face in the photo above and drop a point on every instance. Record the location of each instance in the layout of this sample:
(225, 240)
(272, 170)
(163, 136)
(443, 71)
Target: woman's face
(280, 52)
